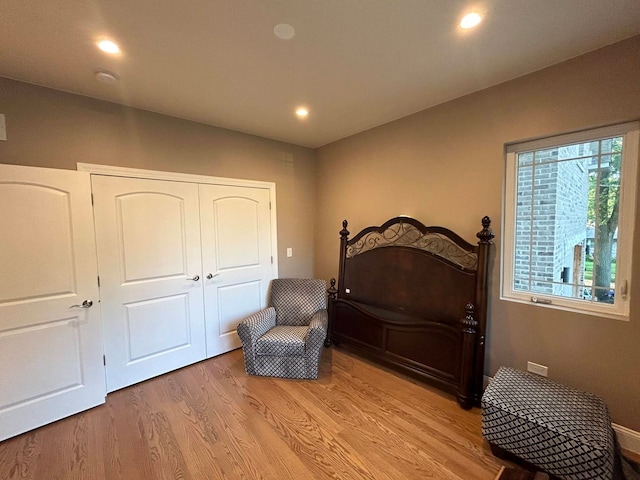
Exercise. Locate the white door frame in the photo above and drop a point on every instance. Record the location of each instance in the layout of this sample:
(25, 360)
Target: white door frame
(96, 169)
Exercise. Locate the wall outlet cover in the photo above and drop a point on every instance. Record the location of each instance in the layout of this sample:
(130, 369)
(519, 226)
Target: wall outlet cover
(538, 369)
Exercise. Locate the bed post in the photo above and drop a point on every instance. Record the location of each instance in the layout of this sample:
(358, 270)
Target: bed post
(485, 237)
(344, 237)
(333, 292)
(466, 394)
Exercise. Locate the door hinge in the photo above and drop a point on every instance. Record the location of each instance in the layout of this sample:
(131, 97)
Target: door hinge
(104, 360)
(98, 281)
(272, 260)
(92, 199)
(269, 205)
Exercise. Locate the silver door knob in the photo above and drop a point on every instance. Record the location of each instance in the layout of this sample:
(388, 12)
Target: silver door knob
(195, 278)
(85, 304)
(210, 276)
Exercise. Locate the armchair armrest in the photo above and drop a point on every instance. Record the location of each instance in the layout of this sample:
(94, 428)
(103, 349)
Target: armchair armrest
(320, 320)
(317, 330)
(256, 325)
(250, 330)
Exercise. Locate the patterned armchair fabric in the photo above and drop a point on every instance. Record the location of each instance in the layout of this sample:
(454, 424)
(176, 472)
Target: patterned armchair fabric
(285, 339)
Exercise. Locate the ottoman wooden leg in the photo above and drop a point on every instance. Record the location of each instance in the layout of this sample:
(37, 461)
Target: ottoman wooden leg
(503, 454)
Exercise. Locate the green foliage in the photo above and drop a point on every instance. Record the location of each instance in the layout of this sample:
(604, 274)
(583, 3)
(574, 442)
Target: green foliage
(588, 270)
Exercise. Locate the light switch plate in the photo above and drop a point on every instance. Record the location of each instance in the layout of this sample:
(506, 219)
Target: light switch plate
(3, 128)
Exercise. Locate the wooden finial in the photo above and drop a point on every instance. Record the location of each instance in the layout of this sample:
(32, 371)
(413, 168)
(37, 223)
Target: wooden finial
(333, 291)
(344, 232)
(486, 235)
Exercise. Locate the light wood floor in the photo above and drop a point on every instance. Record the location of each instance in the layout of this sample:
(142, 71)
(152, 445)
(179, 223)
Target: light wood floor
(212, 421)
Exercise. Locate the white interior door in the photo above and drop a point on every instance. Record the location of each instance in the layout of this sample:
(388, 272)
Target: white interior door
(148, 235)
(236, 254)
(50, 346)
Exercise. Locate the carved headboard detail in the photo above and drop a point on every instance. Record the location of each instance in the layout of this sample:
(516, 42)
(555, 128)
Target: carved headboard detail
(404, 233)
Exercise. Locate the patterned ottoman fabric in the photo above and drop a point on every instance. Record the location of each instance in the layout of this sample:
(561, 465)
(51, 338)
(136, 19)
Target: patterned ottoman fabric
(563, 431)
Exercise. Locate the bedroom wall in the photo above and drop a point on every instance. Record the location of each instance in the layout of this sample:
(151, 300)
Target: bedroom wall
(49, 128)
(445, 166)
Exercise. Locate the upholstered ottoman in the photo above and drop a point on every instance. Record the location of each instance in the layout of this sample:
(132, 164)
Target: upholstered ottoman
(560, 430)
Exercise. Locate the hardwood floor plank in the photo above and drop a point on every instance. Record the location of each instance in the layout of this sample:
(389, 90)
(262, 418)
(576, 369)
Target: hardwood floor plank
(402, 420)
(383, 426)
(212, 421)
(20, 462)
(305, 439)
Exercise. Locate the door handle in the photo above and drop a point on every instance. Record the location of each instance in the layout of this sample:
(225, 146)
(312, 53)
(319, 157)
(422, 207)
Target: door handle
(195, 278)
(85, 304)
(210, 276)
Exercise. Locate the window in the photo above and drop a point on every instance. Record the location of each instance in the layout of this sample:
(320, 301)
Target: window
(569, 219)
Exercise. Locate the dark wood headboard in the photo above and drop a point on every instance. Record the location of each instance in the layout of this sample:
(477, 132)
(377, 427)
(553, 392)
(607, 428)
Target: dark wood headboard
(415, 298)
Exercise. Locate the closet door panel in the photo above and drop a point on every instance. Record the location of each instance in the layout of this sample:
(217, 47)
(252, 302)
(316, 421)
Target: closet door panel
(50, 343)
(236, 252)
(148, 235)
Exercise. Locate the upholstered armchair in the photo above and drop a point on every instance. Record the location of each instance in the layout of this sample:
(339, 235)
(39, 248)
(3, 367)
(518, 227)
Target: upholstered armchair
(286, 338)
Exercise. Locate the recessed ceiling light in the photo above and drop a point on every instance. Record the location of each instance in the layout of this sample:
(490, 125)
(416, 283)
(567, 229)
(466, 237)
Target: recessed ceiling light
(302, 112)
(106, 77)
(108, 46)
(284, 31)
(470, 20)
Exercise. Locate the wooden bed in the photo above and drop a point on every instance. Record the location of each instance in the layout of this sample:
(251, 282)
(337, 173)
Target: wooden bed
(415, 298)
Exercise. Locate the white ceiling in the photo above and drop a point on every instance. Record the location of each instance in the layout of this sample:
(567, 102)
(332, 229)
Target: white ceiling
(355, 64)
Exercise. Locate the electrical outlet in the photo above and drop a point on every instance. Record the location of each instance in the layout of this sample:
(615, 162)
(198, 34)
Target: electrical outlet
(289, 252)
(538, 369)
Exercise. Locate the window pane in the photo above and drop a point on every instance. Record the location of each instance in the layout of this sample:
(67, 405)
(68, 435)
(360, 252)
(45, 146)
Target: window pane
(562, 202)
(546, 155)
(570, 151)
(522, 251)
(604, 295)
(605, 185)
(608, 144)
(525, 159)
(521, 284)
(543, 242)
(541, 287)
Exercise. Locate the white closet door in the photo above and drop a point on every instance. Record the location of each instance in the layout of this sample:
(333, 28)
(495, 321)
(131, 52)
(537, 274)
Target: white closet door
(50, 346)
(148, 235)
(236, 253)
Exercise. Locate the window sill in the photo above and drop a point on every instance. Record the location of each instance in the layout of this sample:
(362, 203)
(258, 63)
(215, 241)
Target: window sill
(595, 312)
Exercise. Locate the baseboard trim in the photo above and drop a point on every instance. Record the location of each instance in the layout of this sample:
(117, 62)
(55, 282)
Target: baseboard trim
(629, 439)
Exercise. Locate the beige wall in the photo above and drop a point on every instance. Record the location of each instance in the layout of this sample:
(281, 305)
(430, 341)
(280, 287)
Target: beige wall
(445, 166)
(49, 128)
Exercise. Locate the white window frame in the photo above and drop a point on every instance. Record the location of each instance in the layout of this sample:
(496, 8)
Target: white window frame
(626, 221)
